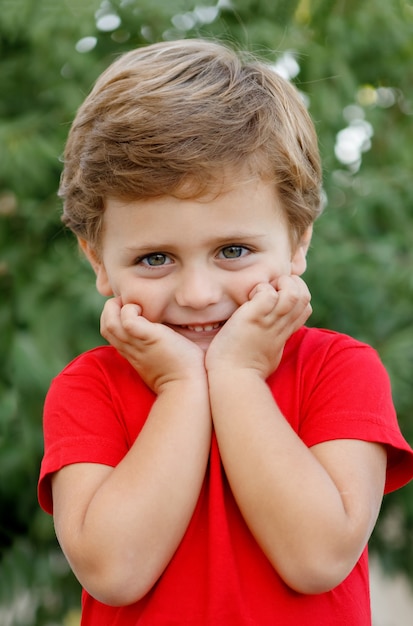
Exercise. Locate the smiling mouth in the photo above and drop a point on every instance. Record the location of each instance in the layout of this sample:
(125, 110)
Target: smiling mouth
(200, 328)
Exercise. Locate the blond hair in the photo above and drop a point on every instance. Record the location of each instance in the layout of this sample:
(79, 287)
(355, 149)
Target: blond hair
(169, 118)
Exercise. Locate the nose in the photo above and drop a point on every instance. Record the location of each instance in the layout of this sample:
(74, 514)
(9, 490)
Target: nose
(197, 288)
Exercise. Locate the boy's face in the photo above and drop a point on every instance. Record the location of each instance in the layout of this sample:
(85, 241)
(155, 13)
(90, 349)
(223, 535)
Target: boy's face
(191, 263)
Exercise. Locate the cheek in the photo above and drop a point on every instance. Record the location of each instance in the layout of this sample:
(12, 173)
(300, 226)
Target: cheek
(244, 282)
(151, 296)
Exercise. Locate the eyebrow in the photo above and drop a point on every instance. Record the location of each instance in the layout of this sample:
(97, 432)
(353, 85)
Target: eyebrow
(238, 236)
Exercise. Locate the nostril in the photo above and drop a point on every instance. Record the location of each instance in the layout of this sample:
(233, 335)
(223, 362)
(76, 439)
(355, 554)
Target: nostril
(197, 294)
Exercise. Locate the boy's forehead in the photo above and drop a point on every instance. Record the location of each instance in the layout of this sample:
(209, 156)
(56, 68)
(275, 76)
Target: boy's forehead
(227, 185)
(244, 210)
(238, 205)
(206, 187)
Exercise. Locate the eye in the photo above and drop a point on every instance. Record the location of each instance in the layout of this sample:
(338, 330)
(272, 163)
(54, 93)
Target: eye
(233, 252)
(155, 259)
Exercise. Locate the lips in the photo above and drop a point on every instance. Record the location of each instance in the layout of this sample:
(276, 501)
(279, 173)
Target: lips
(200, 328)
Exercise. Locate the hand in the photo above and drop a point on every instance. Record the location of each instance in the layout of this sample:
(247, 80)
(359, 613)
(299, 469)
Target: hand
(254, 337)
(155, 351)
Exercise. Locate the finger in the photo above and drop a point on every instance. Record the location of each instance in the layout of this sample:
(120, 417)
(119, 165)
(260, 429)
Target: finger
(112, 305)
(292, 281)
(110, 317)
(294, 295)
(265, 295)
(134, 323)
(295, 315)
(261, 288)
(130, 312)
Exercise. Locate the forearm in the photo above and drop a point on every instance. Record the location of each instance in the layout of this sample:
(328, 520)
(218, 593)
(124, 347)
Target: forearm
(123, 539)
(312, 533)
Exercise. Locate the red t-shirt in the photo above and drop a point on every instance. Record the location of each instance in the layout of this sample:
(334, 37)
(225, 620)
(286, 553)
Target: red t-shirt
(328, 386)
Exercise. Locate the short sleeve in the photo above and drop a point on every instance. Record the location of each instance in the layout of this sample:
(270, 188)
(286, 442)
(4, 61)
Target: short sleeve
(348, 395)
(93, 412)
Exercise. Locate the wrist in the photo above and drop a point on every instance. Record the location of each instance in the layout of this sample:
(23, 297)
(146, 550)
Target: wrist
(234, 376)
(182, 382)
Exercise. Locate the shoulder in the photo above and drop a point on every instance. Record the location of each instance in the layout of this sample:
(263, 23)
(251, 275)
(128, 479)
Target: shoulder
(101, 357)
(317, 350)
(98, 375)
(103, 363)
(332, 365)
(330, 372)
(311, 338)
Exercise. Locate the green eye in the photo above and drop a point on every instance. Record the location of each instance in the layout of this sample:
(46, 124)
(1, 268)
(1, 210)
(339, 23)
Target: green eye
(233, 252)
(155, 260)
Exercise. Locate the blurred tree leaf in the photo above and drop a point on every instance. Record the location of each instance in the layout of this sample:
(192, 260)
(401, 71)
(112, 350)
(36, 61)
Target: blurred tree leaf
(360, 263)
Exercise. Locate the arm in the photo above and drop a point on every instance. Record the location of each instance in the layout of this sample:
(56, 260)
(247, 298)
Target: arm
(311, 510)
(119, 527)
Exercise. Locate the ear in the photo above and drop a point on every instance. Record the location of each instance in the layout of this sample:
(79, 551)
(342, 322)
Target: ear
(102, 279)
(299, 257)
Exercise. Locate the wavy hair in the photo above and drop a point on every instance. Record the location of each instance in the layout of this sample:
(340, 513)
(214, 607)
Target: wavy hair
(170, 118)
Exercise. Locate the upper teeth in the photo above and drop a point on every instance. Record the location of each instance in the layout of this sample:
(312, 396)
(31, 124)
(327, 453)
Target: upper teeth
(207, 327)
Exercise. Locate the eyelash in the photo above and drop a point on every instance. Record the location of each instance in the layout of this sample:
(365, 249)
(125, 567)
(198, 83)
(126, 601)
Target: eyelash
(143, 260)
(243, 249)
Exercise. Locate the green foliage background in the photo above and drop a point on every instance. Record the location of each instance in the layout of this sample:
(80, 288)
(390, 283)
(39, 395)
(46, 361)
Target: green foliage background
(360, 265)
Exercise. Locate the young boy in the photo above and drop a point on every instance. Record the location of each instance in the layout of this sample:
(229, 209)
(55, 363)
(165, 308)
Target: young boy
(219, 463)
